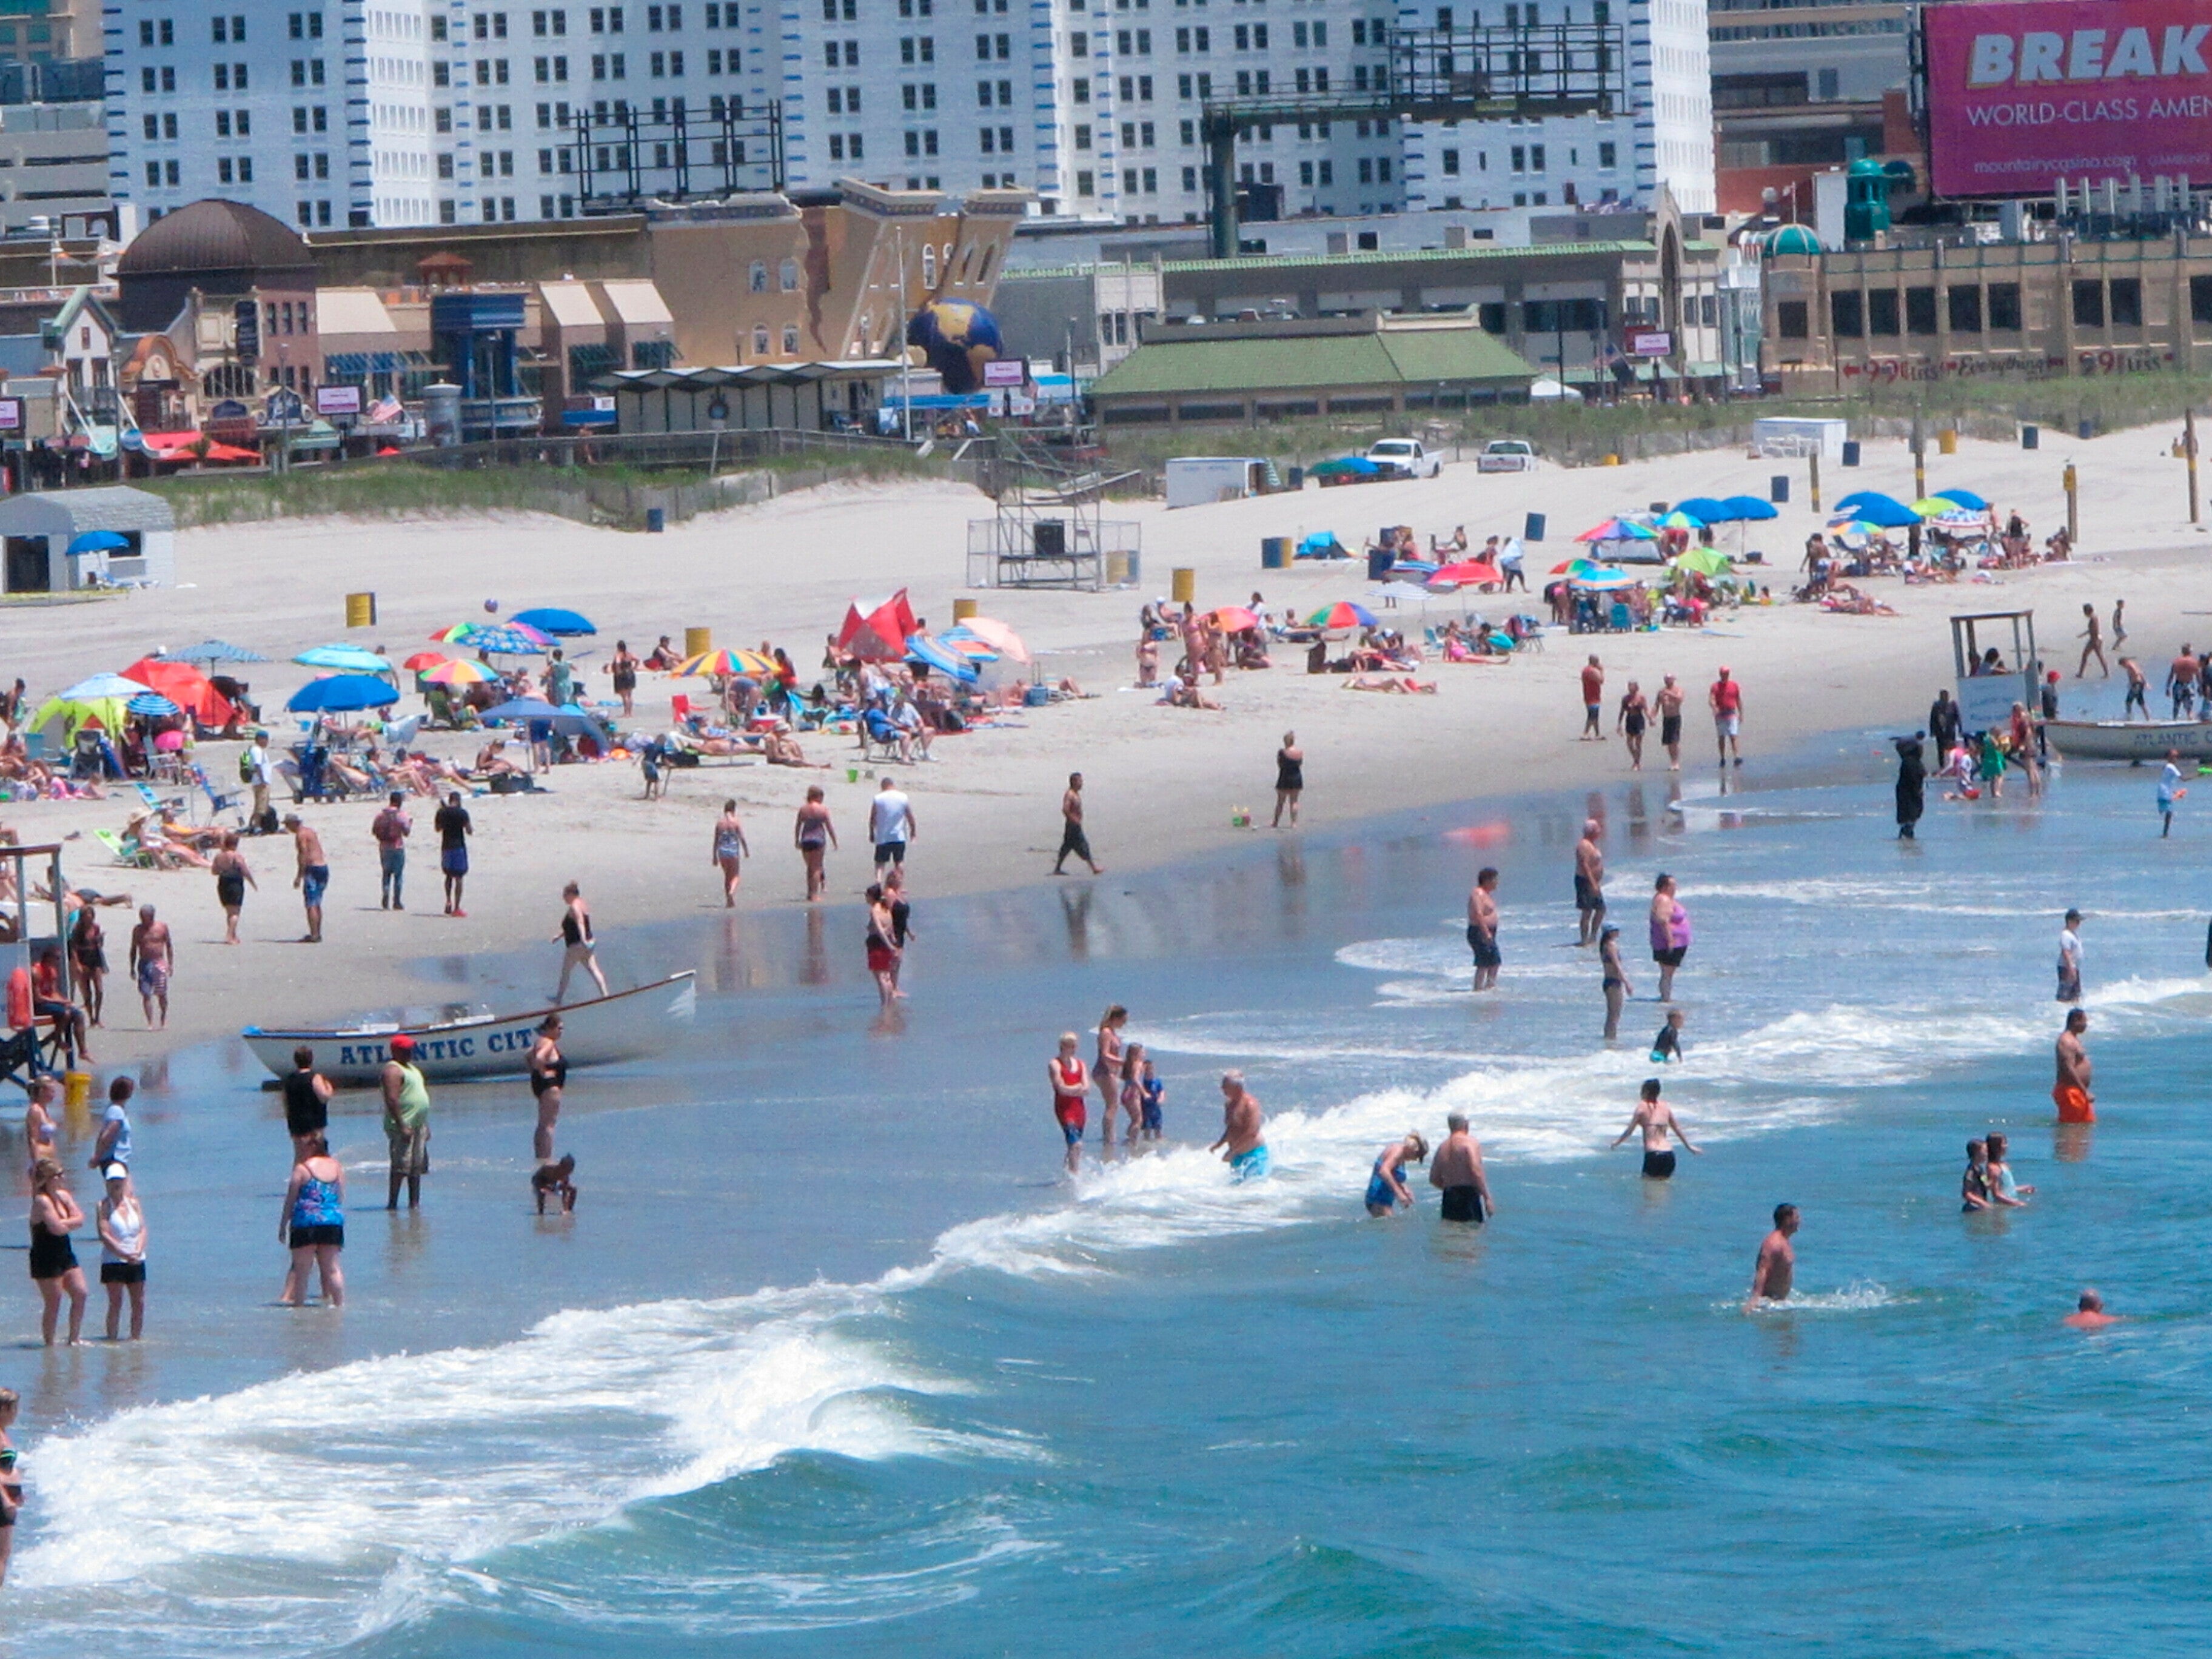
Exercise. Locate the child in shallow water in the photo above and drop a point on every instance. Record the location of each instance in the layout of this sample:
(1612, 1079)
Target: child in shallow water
(1154, 1090)
(554, 1179)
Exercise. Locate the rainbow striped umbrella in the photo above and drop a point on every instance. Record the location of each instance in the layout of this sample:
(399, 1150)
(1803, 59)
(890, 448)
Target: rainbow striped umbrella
(459, 671)
(1343, 614)
(727, 662)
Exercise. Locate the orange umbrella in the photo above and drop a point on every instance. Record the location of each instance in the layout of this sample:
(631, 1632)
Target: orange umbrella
(1232, 618)
(185, 686)
(422, 659)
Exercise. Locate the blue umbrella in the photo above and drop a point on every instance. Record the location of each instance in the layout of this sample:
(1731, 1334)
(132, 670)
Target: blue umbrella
(921, 648)
(1740, 507)
(152, 702)
(503, 642)
(350, 658)
(1872, 507)
(567, 717)
(1965, 498)
(341, 692)
(1706, 507)
(558, 622)
(97, 541)
(214, 651)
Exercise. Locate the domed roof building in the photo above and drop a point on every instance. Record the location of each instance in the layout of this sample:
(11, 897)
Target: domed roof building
(223, 249)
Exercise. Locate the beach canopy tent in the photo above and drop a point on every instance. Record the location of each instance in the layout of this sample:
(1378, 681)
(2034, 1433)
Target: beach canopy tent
(1321, 545)
(877, 630)
(213, 651)
(338, 693)
(186, 687)
(101, 687)
(40, 531)
(562, 624)
(71, 713)
(993, 633)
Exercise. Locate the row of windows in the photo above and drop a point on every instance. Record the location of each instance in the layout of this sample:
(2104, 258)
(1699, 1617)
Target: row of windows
(1853, 316)
(1530, 158)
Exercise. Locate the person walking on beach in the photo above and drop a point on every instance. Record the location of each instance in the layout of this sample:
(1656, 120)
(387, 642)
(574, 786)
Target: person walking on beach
(1726, 698)
(1630, 724)
(1616, 973)
(1290, 779)
(812, 833)
(1772, 1273)
(1241, 1145)
(624, 670)
(453, 825)
(232, 877)
(883, 953)
(1670, 933)
(311, 874)
(1670, 701)
(390, 829)
(312, 1224)
(406, 1122)
(153, 959)
(549, 1077)
(891, 824)
(54, 1270)
(1593, 700)
(1589, 882)
(2138, 688)
(1655, 1120)
(2181, 682)
(1071, 1089)
(1482, 928)
(1456, 1171)
(730, 851)
(87, 954)
(2070, 958)
(578, 947)
(307, 1099)
(2092, 644)
(122, 1225)
(2119, 627)
(1071, 837)
(2071, 1092)
(1106, 1071)
(1943, 722)
(1387, 1192)
(2169, 792)
(1912, 785)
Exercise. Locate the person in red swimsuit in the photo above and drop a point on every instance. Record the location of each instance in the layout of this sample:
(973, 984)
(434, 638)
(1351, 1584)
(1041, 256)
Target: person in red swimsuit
(1071, 1085)
(1727, 700)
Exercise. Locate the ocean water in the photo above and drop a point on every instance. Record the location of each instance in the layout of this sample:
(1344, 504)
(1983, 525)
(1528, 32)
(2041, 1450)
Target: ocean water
(833, 1360)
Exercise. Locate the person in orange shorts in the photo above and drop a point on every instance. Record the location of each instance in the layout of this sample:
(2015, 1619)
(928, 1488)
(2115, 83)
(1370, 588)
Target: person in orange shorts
(2071, 1092)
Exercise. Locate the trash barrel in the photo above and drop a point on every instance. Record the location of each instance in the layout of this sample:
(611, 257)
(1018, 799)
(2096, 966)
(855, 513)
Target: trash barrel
(962, 609)
(2031, 437)
(1777, 488)
(2085, 429)
(361, 611)
(1183, 585)
(1295, 479)
(1274, 552)
(698, 641)
(1850, 452)
(656, 520)
(1947, 441)
(1379, 560)
(1532, 527)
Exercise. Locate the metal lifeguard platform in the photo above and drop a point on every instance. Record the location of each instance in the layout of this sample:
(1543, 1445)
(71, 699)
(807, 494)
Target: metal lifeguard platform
(28, 925)
(1985, 698)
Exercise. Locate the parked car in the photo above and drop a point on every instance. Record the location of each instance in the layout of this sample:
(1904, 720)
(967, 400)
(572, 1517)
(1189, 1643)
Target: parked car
(1506, 455)
(1404, 458)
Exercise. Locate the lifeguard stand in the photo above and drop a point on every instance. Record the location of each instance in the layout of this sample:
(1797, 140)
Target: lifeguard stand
(31, 1051)
(1985, 701)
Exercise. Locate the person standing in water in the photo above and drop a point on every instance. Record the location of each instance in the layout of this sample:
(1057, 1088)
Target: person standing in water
(2071, 1093)
(312, 1224)
(1912, 785)
(406, 1121)
(1670, 933)
(1589, 882)
(730, 851)
(1457, 1172)
(548, 1077)
(1655, 1119)
(2169, 792)
(2070, 958)
(1241, 1146)
(1669, 701)
(1290, 779)
(2003, 1188)
(578, 947)
(1618, 990)
(1387, 1192)
(1106, 1067)
(307, 1099)
(883, 954)
(122, 1227)
(1482, 928)
(1772, 1274)
(54, 1215)
(1667, 1046)
(1974, 1184)
(11, 1483)
(1071, 1088)
(812, 833)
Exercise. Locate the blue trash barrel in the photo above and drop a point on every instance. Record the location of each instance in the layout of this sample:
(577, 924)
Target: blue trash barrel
(1777, 488)
(1532, 527)
(2031, 437)
(1296, 478)
(656, 520)
(2086, 430)
(1274, 553)
(1850, 452)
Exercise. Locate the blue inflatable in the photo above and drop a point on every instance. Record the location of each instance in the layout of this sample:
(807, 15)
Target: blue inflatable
(957, 338)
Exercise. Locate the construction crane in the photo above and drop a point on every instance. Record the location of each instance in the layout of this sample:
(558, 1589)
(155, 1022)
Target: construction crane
(1433, 75)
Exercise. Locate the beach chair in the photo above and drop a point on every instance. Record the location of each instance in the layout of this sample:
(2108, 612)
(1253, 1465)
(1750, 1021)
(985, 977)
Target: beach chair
(172, 806)
(125, 853)
(879, 739)
(1619, 619)
(218, 801)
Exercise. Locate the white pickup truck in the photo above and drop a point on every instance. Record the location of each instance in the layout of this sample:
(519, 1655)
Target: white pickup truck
(1506, 455)
(1403, 458)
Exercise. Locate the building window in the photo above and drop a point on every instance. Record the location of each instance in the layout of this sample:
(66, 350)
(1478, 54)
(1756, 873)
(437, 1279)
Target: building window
(1920, 311)
(1881, 313)
(791, 339)
(1086, 184)
(2089, 305)
(1965, 304)
(1846, 317)
(1790, 319)
(2127, 302)
(787, 275)
(760, 339)
(2004, 306)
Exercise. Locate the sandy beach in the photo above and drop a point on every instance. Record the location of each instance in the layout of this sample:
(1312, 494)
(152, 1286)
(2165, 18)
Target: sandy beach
(1161, 783)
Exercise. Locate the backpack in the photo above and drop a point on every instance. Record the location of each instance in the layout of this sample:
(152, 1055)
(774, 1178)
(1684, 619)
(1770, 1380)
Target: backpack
(246, 765)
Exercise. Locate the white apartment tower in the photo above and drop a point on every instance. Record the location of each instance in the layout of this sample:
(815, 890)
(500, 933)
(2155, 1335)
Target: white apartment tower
(363, 112)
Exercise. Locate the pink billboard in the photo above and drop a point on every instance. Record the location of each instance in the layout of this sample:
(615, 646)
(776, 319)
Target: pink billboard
(2024, 92)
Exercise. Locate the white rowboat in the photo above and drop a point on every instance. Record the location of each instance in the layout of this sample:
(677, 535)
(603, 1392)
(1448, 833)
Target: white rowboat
(627, 1025)
(2131, 740)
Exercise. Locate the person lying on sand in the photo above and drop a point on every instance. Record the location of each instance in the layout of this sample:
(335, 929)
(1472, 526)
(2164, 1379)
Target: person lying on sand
(1403, 684)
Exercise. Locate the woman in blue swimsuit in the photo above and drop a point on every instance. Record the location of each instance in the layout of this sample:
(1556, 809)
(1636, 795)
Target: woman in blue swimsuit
(1385, 1184)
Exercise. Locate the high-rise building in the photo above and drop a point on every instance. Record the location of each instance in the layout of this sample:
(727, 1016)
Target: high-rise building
(376, 112)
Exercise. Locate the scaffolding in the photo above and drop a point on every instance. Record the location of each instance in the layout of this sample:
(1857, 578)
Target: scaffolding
(26, 1055)
(630, 158)
(1049, 530)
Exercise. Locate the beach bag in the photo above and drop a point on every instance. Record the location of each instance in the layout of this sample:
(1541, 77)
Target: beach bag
(245, 766)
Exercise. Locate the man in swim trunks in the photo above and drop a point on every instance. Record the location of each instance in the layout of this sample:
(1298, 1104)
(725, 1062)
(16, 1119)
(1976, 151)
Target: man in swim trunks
(1241, 1145)
(1726, 697)
(1071, 1086)
(1593, 700)
(2070, 958)
(1482, 928)
(312, 877)
(1669, 702)
(2071, 1094)
(1655, 1118)
(153, 958)
(1589, 882)
(1770, 1276)
(1456, 1170)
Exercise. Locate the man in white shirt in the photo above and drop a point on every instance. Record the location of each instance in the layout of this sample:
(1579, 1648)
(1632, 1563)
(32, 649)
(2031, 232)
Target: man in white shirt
(262, 772)
(890, 825)
(1509, 563)
(2070, 958)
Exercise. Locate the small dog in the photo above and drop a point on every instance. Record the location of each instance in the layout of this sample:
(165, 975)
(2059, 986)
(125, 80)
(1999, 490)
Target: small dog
(552, 1179)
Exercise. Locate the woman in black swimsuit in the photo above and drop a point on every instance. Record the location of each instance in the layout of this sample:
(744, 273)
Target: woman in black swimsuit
(625, 669)
(1634, 713)
(54, 1217)
(549, 1076)
(1290, 777)
(88, 946)
(231, 877)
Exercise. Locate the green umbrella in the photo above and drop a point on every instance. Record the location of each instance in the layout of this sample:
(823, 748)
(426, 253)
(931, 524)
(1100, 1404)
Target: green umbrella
(1705, 561)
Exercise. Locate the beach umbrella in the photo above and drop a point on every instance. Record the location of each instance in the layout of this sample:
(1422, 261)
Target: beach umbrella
(993, 633)
(338, 692)
(1879, 510)
(876, 629)
(1619, 530)
(1232, 618)
(97, 541)
(1343, 614)
(458, 671)
(727, 662)
(974, 650)
(214, 651)
(422, 659)
(152, 702)
(1467, 573)
(185, 686)
(1742, 508)
(346, 659)
(1705, 561)
(921, 650)
(1679, 519)
(103, 688)
(566, 718)
(507, 638)
(1965, 498)
(554, 621)
(1599, 575)
(1705, 508)
(1934, 507)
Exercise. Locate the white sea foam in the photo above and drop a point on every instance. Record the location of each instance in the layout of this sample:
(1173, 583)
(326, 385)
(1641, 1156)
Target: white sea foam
(1861, 1296)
